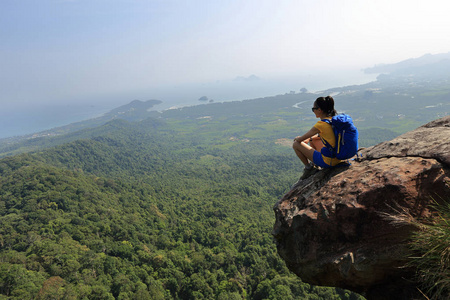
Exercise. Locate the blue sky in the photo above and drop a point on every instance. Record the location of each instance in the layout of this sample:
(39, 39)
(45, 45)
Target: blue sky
(78, 50)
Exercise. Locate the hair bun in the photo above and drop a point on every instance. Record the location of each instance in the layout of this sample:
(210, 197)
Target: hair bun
(327, 105)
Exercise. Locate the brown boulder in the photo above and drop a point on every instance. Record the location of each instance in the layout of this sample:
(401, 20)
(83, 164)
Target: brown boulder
(428, 141)
(332, 228)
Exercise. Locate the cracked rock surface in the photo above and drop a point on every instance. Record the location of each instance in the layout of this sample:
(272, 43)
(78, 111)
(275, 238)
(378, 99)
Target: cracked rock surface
(333, 230)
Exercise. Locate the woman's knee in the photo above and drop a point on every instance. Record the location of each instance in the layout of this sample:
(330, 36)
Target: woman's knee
(301, 147)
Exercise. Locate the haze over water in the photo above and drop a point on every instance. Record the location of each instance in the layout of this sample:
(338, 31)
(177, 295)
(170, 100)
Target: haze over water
(34, 117)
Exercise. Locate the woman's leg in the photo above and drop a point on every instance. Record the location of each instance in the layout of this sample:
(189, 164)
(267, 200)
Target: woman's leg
(316, 143)
(303, 151)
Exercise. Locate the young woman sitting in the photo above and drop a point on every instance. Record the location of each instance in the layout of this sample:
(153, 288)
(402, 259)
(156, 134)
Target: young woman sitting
(310, 154)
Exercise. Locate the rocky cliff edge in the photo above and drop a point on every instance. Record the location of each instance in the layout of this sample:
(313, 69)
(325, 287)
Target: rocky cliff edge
(332, 229)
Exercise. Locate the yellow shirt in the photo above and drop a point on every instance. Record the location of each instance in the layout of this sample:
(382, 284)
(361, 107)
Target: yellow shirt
(326, 133)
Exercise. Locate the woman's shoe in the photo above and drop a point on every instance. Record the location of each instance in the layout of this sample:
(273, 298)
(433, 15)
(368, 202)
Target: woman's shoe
(308, 172)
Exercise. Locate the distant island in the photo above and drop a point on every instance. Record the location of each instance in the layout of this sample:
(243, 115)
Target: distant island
(249, 78)
(205, 99)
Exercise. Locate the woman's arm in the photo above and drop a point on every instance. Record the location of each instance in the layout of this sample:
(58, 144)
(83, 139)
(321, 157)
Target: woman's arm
(313, 131)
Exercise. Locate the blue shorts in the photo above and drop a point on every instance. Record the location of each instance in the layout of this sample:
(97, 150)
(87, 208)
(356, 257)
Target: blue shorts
(318, 160)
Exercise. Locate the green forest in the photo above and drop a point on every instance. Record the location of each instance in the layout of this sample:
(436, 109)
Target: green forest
(146, 212)
(170, 205)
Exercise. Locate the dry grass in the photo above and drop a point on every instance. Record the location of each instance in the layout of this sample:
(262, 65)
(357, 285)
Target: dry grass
(430, 248)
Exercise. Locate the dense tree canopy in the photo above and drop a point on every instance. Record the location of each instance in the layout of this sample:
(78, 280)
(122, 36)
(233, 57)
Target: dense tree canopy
(147, 212)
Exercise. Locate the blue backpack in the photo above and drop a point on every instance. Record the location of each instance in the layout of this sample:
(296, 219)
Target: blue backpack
(346, 138)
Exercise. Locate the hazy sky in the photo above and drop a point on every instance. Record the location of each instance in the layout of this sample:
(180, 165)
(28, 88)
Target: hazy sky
(57, 50)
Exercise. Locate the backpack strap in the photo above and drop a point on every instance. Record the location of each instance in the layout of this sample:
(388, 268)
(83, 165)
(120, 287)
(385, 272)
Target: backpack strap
(325, 143)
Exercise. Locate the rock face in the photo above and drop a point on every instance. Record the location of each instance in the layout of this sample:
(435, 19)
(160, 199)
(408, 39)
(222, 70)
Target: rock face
(332, 229)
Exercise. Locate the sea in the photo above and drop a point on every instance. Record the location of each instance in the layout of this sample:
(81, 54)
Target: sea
(33, 117)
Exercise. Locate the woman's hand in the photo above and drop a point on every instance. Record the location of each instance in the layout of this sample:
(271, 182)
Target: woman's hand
(306, 136)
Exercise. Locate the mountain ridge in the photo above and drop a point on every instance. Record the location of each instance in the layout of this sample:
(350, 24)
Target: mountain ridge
(417, 64)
